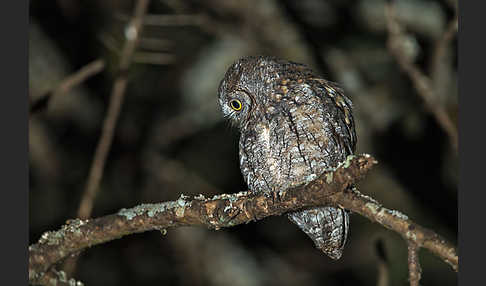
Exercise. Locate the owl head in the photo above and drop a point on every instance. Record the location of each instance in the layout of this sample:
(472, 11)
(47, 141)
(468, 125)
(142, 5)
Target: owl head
(246, 87)
(251, 86)
(237, 92)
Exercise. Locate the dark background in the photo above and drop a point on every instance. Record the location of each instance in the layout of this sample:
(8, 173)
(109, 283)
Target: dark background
(171, 139)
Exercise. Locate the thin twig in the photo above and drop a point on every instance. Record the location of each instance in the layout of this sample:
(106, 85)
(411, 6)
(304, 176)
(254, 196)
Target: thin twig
(167, 20)
(67, 84)
(116, 99)
(383, 271)
(441, 47)
(118, 92)
(227, 210)
(414, 269)
(155, 44)
(383, 274)
(153, 58)
(421, 82)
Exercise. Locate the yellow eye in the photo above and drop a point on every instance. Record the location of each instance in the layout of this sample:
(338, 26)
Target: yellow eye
(235, 104)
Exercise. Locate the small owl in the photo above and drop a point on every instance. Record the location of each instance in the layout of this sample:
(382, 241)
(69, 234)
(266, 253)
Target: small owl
(293, 126)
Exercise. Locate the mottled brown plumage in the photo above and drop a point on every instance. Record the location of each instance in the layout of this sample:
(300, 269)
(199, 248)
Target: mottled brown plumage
(293, 125)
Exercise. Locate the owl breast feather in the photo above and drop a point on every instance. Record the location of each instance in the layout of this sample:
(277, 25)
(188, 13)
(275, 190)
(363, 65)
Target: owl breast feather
(289, 148)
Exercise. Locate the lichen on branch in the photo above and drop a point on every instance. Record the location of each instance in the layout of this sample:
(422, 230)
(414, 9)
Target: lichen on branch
(333, 187)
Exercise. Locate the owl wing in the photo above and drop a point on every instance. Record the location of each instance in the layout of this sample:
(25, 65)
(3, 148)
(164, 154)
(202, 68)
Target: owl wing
(340, 114)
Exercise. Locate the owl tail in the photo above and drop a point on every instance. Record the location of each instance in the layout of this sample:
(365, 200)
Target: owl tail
(326, 226)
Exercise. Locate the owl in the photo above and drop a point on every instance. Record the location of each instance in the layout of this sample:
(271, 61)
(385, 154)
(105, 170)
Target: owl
(293, 126)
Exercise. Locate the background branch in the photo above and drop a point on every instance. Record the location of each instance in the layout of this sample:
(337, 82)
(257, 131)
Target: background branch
(332, 188)
(133, 31)
(442, 45)
(170, 128)
(422, 83)
(67, 84)
(383, 278)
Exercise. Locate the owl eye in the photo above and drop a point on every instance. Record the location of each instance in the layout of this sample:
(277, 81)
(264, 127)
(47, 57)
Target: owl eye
(235, 104)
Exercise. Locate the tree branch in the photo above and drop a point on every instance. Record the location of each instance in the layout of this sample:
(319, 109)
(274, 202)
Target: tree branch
(227, 210)
(421, 82)
(133, 31)
(67, 84)
(401, 224)
(414, 269)
(57, 278)
(441, 47)
(383, 267)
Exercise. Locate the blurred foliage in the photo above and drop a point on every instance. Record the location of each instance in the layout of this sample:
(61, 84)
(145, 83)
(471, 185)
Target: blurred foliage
(171, 138)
